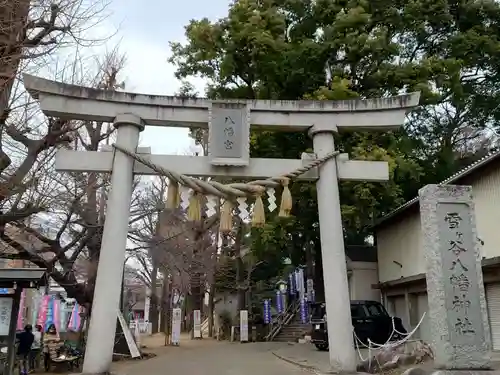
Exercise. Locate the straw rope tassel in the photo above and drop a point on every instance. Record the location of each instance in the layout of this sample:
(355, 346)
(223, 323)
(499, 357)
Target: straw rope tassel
(286, 199)
(173, 195)
(226, 217)
(194, 209)
(258, 215)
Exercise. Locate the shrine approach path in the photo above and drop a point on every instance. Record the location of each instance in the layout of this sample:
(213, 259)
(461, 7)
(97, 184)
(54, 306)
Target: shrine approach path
(210, 357)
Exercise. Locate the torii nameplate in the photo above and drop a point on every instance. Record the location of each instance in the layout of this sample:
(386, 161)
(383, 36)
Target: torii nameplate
(228, 134)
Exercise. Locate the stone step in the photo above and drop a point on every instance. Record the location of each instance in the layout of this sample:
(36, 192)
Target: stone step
(286, 328)
(294, 330)
(290, 334)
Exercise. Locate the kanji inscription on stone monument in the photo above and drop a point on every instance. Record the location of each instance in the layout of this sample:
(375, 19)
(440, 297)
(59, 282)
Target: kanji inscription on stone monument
(459, 259)
(457, 307)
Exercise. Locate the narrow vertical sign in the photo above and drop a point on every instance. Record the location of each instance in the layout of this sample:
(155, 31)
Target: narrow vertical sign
(267, 311)
(303, 311)
(5, 310)
(176, 326)
(243, 325)
(197, 324)
(279, 302)
(132, 345)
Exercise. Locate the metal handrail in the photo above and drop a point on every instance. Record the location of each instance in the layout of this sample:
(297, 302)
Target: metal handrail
(282, 320)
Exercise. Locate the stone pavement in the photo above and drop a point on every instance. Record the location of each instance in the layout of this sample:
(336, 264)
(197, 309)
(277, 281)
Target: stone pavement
(210, 357)
(307, 356)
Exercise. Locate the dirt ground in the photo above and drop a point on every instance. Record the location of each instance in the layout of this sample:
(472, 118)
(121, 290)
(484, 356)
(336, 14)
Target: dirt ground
(212, 357)
(151, 346)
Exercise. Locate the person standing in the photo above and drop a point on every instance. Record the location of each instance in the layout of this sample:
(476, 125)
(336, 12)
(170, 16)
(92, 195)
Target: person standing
(25, 340)
(51, 345)
(36, 347)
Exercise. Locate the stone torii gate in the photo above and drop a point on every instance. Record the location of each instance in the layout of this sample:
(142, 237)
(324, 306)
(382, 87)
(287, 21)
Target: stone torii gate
(229, 123)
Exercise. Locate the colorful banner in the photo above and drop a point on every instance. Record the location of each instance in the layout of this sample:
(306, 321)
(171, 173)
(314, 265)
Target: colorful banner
(291, 284)
(279, 301)
(304, 311)
(299, 277)
(50, 313)
(267, 311)
(64, 316)
(36, 301)
(20, 315)
(56, 313)
(42, 311)
(74, 321)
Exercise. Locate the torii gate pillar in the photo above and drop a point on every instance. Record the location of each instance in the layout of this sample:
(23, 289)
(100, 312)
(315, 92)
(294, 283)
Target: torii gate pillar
(102, 329)
(339, 323)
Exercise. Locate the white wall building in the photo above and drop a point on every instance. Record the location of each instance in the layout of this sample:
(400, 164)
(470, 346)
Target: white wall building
(401, 262)
(362, 272)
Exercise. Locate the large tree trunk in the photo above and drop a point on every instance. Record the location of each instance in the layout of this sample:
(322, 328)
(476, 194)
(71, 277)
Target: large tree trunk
(13, 20)
(240, 269)
(196, 298)
(196, 286)
(164, 305)
(309, 261)
(153, 304)
(167, 308)
(211, 306)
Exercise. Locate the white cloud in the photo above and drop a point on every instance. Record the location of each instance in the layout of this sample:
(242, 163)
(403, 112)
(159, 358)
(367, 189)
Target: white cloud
(147, 71)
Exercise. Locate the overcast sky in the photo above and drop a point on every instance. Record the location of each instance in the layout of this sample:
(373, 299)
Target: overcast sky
(144, 30)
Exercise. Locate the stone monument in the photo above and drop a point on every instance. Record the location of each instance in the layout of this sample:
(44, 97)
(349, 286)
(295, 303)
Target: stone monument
(455, 290)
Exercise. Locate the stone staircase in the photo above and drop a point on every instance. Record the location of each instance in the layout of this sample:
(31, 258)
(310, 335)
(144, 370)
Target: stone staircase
(293, 331)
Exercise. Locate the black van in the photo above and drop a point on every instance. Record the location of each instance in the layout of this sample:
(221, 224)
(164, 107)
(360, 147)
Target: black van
(369, 319)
